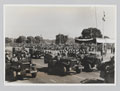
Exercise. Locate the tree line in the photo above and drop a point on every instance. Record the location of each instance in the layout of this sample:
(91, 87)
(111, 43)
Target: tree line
(24, 39)
(86, 33)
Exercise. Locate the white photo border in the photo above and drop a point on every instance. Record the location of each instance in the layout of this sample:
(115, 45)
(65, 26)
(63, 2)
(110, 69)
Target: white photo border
(61, 5)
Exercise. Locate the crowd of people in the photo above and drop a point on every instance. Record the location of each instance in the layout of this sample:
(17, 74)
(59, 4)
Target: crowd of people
(17, 54)
(62, 50)
(58, 51)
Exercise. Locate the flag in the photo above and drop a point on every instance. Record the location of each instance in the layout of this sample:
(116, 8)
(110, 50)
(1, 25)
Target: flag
(103, 16)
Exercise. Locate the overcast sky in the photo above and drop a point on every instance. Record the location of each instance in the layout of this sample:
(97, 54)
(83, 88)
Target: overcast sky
(47, 21)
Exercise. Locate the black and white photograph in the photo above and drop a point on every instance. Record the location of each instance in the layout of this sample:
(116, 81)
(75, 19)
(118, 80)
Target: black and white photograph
(59, 44)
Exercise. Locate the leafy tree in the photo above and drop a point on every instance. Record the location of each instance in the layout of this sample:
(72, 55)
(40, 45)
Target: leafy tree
(61, 39)
(106, 37)
(30, 39)
(8, 40)
(91, 33)
(38, 39)
(21, 39)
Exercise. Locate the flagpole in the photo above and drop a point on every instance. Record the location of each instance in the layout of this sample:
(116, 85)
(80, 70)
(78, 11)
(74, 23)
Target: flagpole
(96, 17)
(96, 27)
(103, 19)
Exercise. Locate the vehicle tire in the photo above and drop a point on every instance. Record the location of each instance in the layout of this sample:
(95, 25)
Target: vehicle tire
(21, 76)
(10, 75)
(34, 75)
(88, 68)
(78, 70)
(50, 70)
(63, 70)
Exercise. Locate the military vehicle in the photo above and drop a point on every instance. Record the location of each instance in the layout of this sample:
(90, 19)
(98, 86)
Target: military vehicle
(89, 56)
(8, 56)
(89, 61)
(20, 64)
(62, 65)
(107, 70)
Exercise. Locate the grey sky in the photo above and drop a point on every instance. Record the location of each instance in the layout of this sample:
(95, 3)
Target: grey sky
(47, 21)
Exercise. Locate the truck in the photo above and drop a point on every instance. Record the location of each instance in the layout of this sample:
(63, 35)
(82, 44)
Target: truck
(89, 61)
(20, 64)
(62, 65)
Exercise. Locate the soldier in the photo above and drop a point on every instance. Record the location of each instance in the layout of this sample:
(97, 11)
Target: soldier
(14, 58)
(57, 57)
(18, 55)
(7, 57)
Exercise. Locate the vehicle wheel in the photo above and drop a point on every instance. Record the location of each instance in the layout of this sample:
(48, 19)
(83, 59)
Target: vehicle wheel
(88, 68)
(34, 75)
(10, 75)
(50, 70)
(63, 70)
(21, 76)
(39, 57)
(78, 70)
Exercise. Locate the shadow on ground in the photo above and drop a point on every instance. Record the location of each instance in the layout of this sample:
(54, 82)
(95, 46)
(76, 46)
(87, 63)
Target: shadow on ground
(11, 79)
(92, 81)
(57, 73)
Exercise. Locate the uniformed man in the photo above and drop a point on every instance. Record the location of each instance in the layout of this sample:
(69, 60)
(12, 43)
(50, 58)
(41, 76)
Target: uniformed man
(14, 58)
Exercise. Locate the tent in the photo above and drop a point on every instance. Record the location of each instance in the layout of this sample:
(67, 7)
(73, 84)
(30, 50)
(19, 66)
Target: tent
(105, 40)
(84, 40)
(94, 40)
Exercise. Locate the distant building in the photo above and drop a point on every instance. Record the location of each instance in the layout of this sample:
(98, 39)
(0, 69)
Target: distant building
(61, 39)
